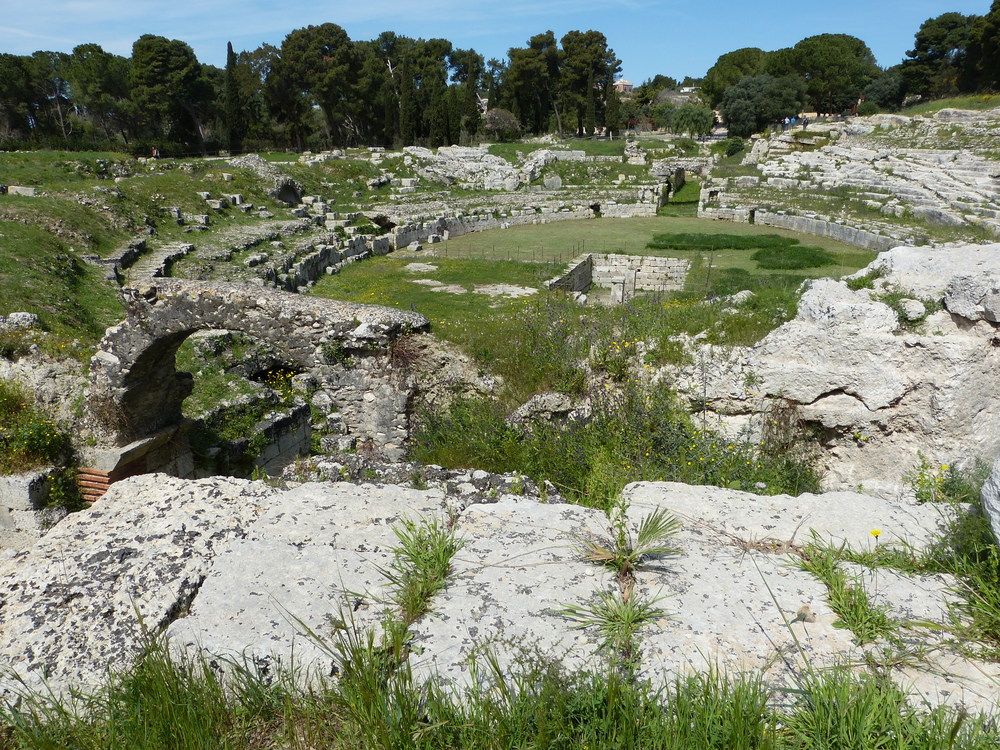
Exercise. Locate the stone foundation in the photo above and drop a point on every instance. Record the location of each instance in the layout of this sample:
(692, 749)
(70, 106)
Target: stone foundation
(623, 274)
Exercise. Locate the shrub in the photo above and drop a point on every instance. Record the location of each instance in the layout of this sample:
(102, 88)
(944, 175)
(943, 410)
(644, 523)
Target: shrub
(733, 146)
(793, 258)
(685, 241)
(501, 125)
(867, 108)
(28, 437)
(635, 432)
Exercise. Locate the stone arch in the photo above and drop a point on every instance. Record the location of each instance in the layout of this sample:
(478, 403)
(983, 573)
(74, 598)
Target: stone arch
(136, 391)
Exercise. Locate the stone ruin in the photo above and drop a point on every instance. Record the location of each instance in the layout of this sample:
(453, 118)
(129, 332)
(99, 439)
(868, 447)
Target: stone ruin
(135, 394)
(624, 275)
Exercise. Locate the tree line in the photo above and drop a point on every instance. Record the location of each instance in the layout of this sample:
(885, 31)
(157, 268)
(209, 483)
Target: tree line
(318, 89)
(952, 54)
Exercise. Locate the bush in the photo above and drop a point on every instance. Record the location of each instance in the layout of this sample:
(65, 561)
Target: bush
(634, 433)
(684, 241)
(867, 108)
(733, 146)
(28, 438)
(792, 258)
(501, 125)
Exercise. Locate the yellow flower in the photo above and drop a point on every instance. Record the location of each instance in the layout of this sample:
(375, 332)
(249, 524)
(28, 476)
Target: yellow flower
(876, 533)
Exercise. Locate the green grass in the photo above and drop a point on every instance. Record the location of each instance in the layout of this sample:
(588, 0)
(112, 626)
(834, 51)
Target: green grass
(792, 258)
(684, 202)
(40, 273)
(420, 566)
(168, 704)
(634, 433)
(53, 171)
(386, 281)
(86, 229)
(847, 596)
(563, 240)
(973, 101)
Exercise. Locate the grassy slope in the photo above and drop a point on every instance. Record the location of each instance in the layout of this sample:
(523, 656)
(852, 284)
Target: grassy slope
(39, 273)
(975, 101)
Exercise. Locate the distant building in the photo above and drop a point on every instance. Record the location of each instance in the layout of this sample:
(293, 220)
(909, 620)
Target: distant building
(623, 86)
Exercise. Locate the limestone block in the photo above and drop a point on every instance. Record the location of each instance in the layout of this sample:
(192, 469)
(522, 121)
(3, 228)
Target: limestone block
(991, 499)
(28, 491)
(18, 321)
(72, 601)
(21, 190)
(516, 571)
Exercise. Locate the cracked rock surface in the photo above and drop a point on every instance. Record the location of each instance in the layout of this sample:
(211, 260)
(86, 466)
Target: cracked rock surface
(240, 570)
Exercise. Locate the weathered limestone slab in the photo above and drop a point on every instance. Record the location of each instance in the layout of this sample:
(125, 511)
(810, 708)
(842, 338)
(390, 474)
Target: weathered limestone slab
(881, 393)
(309, 566)
(516, 571)
(240, 570)
(77, 602)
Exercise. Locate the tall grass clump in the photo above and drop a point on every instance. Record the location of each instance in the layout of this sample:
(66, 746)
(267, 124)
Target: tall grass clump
(968, 550)
(159, 703)
(520, 702)
(634, 432)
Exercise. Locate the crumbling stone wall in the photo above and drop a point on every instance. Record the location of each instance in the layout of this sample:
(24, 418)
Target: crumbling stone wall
(645, 273)
(135, 390)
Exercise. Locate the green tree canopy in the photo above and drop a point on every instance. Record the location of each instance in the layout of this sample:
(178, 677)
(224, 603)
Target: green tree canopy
(321, 62)
(754, 102)
(728, 69)
(170, 88)
(694, 120)
(588, 63)
(836, 69)
(938, 55)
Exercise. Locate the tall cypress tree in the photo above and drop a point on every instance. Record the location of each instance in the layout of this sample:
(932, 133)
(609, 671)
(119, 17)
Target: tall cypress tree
(612, 109)
(234, 125)
(590, 114)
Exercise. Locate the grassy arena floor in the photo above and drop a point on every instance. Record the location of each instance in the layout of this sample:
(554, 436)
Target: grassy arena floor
(564, 240)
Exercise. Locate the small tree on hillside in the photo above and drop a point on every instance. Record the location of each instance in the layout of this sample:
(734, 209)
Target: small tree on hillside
(693, 119)
(501, 125)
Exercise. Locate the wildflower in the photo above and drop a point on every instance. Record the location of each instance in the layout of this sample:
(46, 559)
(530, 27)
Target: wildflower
(876, 533)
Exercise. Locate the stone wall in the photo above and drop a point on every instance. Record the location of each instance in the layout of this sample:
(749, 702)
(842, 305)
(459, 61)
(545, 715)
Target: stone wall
(804, 224)
(136, 392)
(578, 277)
(651, 273)
(455, 226)
(23, 512)
(636, 272)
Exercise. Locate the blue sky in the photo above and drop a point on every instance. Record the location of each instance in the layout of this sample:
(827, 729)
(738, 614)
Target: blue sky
(650, 36)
